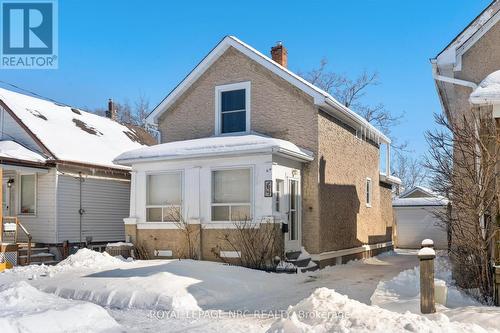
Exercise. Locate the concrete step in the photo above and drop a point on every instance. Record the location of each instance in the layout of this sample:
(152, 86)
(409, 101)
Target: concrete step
(293, 255)
(34, 250)
(40, 257)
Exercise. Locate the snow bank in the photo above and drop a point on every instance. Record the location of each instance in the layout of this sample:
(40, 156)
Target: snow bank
(86, 258)
(328, 311)
(26, 309)
(402, 293)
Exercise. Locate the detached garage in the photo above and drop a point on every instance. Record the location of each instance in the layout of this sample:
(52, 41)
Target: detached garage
(415, 218)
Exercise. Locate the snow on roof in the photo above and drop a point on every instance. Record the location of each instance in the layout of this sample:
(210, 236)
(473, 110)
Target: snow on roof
(213, 146)
(13, 150)
(321, 97)
(425, 190)
(71, 134)
(417, 202)
(488, 91)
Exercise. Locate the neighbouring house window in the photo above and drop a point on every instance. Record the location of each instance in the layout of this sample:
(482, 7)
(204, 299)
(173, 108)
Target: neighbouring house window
(278, 195)
(231, 195)
(368, 192)
(28, 194)
(164, 197)
(233, 112)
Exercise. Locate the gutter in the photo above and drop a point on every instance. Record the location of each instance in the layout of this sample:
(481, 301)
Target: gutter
(448, 79)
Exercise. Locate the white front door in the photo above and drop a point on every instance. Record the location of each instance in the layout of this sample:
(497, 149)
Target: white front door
(293, 236)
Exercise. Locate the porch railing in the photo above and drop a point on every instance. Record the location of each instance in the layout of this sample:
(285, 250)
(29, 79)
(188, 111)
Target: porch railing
(18, 227)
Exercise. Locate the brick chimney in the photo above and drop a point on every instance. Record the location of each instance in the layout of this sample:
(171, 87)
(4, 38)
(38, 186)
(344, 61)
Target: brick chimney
(280, 54)
(111, 112)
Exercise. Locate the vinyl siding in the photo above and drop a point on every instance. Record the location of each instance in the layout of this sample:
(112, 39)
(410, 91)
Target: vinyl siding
(106, 203)
(42, 226)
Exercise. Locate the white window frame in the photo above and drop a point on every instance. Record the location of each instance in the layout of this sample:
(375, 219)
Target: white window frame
(368, 191)
(228, 87)
(212, 204)
(19, 196)
(181, 206)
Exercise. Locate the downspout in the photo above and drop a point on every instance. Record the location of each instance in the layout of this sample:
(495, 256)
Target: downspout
(81, 211)
(448, 79)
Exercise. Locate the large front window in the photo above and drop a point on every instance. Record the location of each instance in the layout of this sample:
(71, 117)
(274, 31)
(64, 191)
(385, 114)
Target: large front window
(28, 194)
(231, 195)
(233, 108)
(164, 197)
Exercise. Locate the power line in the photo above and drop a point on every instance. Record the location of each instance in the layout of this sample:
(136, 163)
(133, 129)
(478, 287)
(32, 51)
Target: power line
(34, 93)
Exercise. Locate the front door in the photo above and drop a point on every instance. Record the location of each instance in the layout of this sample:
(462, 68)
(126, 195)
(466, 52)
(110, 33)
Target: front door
(292, 238)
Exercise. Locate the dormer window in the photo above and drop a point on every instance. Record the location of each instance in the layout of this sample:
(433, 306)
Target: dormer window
(232, 108)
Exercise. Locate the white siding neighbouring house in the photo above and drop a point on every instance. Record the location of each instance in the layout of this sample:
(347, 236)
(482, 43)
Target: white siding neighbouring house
(416, 220)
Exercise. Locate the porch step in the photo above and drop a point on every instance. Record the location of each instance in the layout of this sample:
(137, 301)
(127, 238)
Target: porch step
(304, 263)
(34, 250)
(39, 255)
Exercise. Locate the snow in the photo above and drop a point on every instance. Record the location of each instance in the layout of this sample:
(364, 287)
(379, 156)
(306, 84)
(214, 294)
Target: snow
(488, 91)
(11, 149)
(328, 311)
(71, 134)
(199, 296)
(409, 202)
(9, 226)
(23, 308)
(427, 242)
(426, 251)
(86, 258)
(221, 145)
(119, 244)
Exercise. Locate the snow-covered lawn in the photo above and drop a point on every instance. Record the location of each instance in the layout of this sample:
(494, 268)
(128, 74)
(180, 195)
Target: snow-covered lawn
(194, 296)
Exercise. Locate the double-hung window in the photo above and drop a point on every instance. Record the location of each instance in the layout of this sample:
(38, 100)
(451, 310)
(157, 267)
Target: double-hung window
(231, 195)
(28, 194)
(233, 108)
(164, 197)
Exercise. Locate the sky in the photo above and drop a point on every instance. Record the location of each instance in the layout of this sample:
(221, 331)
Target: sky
(125, 49)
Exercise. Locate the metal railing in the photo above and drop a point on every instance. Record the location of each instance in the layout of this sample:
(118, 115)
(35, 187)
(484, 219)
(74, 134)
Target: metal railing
(18, 227)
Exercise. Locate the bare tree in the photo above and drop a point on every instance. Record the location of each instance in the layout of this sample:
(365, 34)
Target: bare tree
(462, 161)
(350, 92)
(130, 113)
(410, 170)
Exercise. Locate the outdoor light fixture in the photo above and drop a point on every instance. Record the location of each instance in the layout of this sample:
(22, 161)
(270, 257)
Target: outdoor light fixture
(10, 182)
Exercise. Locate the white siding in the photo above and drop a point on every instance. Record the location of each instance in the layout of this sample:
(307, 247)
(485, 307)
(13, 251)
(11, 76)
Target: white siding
(11, 130)
(42, 226)
(414, 224)
(106, 203)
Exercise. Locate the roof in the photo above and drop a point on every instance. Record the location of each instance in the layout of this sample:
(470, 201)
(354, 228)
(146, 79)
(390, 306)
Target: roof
(70, 134)
(451, 54)
(215, 146)
(321, 97)
(428, 198)
(488, 91)
(15, 151)
(426, 191)
(419, 202)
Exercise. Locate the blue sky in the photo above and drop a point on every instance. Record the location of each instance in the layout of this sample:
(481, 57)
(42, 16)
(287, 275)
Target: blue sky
(122, 49)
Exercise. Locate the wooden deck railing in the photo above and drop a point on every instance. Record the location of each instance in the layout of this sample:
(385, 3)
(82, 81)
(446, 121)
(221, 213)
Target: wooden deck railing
(18, 227)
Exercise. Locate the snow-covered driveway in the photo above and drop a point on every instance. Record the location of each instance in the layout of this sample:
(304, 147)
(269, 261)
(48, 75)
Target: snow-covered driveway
(192, 285)
(197, 296)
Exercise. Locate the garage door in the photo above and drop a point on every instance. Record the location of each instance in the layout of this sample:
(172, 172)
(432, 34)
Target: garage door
(413, 224)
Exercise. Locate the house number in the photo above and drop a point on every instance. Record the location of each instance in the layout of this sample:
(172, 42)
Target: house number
(268, 188)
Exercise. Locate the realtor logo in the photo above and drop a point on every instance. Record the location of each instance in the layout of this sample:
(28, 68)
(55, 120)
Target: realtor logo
(29, 34)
